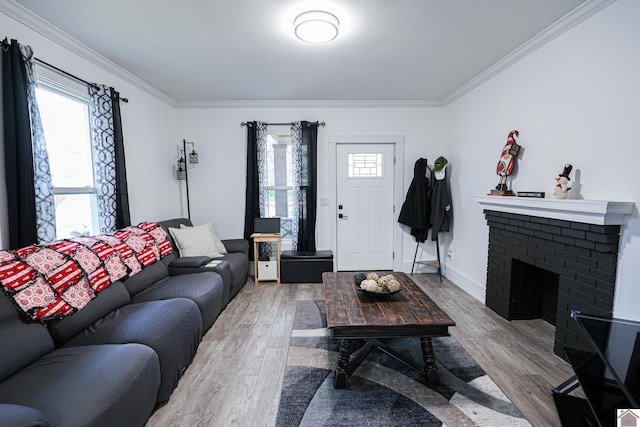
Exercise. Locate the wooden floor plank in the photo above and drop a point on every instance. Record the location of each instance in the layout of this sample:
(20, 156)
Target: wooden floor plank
(236, 375)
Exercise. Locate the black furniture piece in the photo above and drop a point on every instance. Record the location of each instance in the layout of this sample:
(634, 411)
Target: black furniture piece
(305, 267)
(123, 353)
(609, 373)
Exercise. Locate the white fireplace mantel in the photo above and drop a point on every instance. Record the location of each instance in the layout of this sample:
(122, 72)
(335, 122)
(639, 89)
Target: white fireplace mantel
(601, 212)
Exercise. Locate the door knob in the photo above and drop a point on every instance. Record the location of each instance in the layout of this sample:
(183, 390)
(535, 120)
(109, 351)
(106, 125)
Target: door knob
(342, 216)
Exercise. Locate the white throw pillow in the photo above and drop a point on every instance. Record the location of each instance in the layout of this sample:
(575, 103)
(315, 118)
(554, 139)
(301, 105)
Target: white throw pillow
(198, 241)
(216, 240)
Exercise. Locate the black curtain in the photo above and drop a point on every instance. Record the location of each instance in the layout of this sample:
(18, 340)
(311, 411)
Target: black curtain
(123, 217)
(308, 188)
(18, 152)
(252, 197)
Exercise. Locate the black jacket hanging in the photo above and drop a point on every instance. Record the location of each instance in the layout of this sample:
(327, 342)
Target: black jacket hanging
(441, 206)
(416, 209)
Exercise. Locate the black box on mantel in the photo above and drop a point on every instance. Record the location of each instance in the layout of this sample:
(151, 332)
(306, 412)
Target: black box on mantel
(304, 267)
(536, 194)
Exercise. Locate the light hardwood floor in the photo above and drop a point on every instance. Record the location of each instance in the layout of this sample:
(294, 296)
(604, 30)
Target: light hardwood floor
(236, 375)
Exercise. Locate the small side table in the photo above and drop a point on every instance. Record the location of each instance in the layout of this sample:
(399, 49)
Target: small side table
(260, 238)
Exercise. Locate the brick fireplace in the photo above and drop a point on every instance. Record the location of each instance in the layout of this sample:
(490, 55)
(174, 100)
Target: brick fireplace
(548, 257)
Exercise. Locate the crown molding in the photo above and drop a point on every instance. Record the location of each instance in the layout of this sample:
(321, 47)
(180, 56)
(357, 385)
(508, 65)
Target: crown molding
(48, 30)
(29, 19)
(310, 104)
(562, 25)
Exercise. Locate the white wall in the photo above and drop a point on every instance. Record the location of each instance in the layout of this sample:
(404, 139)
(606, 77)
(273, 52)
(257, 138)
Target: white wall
(576, 100)
(217, 183)
(148, 127)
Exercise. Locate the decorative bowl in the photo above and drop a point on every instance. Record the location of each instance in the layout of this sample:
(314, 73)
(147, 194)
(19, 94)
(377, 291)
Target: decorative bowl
(377, 294)
(358, 278)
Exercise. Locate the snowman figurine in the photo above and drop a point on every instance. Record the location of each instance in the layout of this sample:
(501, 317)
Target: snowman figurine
(562, 185)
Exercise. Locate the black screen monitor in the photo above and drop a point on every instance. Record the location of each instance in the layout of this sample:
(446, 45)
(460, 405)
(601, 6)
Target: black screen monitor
(266, 225)
(610, 373)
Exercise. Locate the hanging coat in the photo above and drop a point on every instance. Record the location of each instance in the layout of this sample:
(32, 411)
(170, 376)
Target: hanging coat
(441, 206)
(416, 209)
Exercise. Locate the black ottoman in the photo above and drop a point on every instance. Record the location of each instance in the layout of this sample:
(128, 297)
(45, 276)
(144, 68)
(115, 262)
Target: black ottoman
(304, 267)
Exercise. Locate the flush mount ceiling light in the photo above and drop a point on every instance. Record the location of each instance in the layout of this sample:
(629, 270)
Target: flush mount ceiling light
(316, 26)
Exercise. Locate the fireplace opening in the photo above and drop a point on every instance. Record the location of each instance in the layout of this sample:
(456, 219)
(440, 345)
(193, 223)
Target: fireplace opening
(534, 292)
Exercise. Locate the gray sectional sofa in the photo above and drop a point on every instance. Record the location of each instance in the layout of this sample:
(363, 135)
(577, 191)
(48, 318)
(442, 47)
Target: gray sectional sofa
(121, 355)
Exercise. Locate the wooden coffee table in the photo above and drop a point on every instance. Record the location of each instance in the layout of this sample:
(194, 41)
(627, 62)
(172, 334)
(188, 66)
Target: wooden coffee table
(352, 315)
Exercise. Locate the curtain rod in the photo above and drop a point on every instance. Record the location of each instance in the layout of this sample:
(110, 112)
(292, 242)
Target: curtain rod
(68, 74)
(280, 124)
(5, 44)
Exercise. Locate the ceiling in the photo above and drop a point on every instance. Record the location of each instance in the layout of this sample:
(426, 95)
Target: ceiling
(245, 50)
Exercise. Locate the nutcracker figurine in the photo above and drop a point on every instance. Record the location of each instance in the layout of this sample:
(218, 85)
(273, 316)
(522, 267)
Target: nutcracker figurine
(507, 162)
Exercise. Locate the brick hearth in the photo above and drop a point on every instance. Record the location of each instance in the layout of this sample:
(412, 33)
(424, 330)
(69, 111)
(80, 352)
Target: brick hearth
(584, 256)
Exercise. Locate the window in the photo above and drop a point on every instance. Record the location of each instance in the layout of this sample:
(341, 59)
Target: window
(65, 120)
(279, 202)
(364, 165)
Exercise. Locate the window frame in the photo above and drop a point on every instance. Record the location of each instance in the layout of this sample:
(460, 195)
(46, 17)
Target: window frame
(65, 87)
(278, 131)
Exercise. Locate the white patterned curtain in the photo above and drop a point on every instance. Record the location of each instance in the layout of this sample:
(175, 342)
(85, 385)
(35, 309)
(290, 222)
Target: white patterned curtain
(43, 185)
(261, 148)
(296, 143)
(262, 166)
(104, 157)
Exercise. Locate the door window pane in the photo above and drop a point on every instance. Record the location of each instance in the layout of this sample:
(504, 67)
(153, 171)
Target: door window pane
(363, 165)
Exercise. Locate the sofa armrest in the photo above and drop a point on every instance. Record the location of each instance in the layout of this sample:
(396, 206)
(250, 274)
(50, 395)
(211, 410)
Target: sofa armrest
(236, 245)
(18, 415)
(190, 262)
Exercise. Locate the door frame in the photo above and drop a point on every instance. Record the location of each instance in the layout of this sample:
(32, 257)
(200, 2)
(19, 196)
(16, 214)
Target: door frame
(398, 186)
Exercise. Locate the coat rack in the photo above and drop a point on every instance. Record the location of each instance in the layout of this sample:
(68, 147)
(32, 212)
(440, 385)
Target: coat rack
(441, 209)
(182, 170)
(432, 263)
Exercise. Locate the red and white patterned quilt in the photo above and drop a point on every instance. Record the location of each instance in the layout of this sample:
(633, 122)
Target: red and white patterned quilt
(53, 280)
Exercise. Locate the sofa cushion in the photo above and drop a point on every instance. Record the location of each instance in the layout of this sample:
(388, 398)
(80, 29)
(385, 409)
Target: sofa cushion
(150, 275)
(173, 328)
(198, 241)
(218, 266)
(204, 288)
(190, 262)
(22, 416)
(106, 385)
(23, 341)
(112, 298)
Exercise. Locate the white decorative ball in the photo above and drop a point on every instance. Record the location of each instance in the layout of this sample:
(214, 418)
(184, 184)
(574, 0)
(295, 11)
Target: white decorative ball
(371, 286)
(367, 283)
(393, 285)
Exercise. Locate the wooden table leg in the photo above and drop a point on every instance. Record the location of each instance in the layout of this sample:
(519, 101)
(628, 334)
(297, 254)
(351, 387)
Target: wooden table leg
(342, 374)
(429, 361)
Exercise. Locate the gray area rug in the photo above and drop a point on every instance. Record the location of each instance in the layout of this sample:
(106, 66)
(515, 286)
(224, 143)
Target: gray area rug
(383, 391)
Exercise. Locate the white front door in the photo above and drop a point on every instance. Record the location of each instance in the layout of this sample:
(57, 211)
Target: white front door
(364, 202)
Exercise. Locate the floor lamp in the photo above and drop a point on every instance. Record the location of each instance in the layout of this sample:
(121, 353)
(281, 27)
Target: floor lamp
(182, 171)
